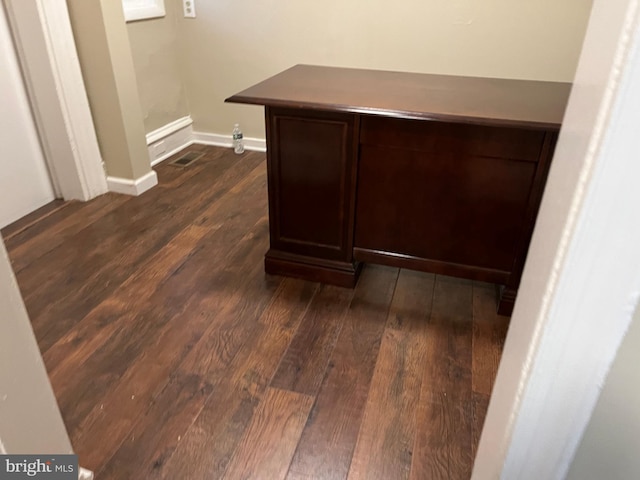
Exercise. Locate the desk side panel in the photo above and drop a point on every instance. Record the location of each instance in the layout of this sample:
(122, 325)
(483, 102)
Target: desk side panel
(311, 168)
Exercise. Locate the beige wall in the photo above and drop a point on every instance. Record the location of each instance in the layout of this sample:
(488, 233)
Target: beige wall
(609, 448)
(233, 44)
(107, 67)
(156, 59)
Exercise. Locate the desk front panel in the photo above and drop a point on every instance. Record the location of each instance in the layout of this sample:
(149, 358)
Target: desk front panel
(453, 196)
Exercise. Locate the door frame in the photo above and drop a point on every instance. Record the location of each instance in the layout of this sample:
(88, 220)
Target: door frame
(46, 49)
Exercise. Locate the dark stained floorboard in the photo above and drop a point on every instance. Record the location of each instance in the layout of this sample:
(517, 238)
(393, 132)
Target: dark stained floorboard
(385, 441)
(442, 447)
(173, 356)
(329, 438)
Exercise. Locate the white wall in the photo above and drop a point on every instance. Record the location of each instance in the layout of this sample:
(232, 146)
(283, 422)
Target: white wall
(155, 46)
(24, 180)
(30, 421)
(609, 448)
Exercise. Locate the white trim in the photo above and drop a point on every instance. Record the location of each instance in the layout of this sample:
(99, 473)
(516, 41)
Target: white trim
(570, 318)
(142, 9)
(218, 140)
(177, 135)
(133, 187)
(171, 152)
(169, 140)
(46, 48)
(84, 474)
(168, 129)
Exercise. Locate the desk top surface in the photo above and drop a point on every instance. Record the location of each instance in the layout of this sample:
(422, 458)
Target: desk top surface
(485, 101)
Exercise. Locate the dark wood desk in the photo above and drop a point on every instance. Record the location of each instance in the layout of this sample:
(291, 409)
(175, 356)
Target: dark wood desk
(429, 172)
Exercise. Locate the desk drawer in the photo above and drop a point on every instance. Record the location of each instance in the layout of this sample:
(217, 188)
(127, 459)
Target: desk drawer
(458, 139)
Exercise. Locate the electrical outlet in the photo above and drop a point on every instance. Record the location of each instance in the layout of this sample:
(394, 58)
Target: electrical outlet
(189, 7)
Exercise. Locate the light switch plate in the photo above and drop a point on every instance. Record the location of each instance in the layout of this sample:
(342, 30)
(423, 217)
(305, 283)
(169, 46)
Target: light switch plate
(189, 7)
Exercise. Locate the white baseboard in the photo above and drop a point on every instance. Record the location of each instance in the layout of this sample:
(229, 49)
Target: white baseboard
(203, 138)
(133, 187)
(175, 136)
(168, 129)
(173, 150)
(169, 139)
(84, 474)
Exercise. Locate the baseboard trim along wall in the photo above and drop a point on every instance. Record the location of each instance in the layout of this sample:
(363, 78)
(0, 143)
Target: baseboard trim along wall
(173, 137)
(255, 144)
(133, 187)
(168, 129)
(169, 139)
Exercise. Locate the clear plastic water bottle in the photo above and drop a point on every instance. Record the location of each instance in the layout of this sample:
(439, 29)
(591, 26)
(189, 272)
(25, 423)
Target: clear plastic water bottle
(238, 145)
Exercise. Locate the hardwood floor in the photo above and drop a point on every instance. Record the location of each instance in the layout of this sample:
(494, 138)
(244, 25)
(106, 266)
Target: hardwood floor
(172, 355)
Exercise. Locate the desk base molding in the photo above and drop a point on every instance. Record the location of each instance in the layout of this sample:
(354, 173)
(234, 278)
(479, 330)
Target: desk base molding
(432, 266)
(342, 274)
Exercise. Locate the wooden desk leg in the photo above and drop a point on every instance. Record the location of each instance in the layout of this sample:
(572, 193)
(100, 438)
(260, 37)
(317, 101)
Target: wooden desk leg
(506, 299)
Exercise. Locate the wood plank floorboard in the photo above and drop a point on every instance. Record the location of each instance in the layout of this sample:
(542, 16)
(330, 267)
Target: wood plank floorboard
(29, 244)
(268, 444)
(36, 217)
(90, 275)
(303, 366)
(480, 406)
(173, 356)
(156, 435)
(442, 448)
(239, 385)
(385, 441)
(489, 332)
(329, 438)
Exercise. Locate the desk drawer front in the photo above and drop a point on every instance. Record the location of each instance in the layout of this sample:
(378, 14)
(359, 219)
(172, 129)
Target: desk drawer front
(456, 139)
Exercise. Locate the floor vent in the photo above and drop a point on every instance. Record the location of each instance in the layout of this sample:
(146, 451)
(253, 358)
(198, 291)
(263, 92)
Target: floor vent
(186, 160)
